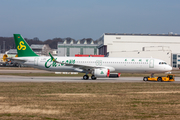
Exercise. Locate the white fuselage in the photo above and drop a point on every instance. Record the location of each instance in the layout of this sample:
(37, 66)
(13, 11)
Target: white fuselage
(116, 65)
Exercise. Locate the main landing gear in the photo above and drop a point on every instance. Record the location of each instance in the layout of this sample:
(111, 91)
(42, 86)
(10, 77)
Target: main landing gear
(93, 77)
(86, 77)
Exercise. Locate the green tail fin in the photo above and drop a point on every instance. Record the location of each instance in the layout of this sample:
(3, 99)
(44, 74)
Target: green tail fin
(23, 48)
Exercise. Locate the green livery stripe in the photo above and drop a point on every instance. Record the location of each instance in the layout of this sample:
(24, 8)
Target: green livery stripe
(23, 48)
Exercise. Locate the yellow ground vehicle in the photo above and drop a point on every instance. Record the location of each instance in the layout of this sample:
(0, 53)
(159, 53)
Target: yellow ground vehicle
(169, 77)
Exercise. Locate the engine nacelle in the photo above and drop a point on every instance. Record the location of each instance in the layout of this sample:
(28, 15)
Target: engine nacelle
(101, 72)
(5, 58)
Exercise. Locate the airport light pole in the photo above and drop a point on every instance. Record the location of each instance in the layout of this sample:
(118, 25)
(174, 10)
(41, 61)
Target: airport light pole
(4, 46)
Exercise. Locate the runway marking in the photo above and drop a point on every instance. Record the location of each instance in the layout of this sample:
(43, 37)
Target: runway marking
(159, 92)
(80, 95)
(2, 98)
(5, 108)
(73, 94)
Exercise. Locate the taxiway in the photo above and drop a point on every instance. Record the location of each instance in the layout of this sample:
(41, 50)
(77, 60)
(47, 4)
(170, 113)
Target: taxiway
(11, 78)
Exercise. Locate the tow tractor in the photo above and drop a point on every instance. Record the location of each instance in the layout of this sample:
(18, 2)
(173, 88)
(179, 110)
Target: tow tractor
(169, 77)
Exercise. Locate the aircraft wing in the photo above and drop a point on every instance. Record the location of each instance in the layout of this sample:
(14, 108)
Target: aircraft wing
(82, 66)
(17, 60)
(79, 66)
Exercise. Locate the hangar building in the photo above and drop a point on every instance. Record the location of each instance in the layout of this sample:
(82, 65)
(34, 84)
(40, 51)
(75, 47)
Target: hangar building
(161, 46)
(71, 47)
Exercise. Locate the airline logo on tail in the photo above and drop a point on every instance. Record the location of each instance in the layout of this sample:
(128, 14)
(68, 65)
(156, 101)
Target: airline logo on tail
(21, 46)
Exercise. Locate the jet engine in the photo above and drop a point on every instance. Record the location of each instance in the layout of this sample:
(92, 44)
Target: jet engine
(5, 58)
(101, 72)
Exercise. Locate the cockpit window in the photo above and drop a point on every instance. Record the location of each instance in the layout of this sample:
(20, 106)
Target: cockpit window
(162, 63)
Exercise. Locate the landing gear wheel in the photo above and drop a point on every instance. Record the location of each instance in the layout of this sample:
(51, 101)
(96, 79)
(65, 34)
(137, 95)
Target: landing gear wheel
(85, 77)
(145, 79)
(159, 79)
(93, 77)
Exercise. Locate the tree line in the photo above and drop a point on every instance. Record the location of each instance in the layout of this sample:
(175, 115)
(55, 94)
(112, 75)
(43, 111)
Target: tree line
(8, 42)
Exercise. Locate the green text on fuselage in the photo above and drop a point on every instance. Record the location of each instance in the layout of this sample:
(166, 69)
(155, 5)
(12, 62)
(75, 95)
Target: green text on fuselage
(49, 63)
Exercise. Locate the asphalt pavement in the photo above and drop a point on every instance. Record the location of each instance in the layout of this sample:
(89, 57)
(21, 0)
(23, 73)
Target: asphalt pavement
(10, 78)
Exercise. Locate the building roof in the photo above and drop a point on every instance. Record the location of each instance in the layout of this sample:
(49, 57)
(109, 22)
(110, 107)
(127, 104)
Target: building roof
(83, 41)
(68, 41)
(169, 34)
(36, 46)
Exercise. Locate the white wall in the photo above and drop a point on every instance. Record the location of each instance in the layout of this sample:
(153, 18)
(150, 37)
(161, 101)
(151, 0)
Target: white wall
(133, 42)
(88, 51)
(74, 51)
(62, 51)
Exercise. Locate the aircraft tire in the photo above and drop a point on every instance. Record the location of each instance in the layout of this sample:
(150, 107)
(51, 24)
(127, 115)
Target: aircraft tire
(93, 77)
(85, 77)
(159, 79)
(145, 79)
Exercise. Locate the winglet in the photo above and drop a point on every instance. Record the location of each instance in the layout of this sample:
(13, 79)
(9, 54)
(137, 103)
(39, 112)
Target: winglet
(54, 60)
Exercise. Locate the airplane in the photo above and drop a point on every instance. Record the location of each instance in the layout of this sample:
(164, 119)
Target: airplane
(96, 66)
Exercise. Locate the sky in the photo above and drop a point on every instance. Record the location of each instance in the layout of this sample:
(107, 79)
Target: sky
(78, 19)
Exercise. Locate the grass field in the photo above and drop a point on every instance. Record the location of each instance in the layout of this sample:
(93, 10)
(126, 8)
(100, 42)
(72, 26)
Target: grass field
(53, 101)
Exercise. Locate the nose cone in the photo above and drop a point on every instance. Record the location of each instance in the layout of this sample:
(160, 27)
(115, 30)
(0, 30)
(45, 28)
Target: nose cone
(169, 68)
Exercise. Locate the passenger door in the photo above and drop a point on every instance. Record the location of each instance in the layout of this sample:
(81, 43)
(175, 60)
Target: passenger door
(151, 63)
(36, 61)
